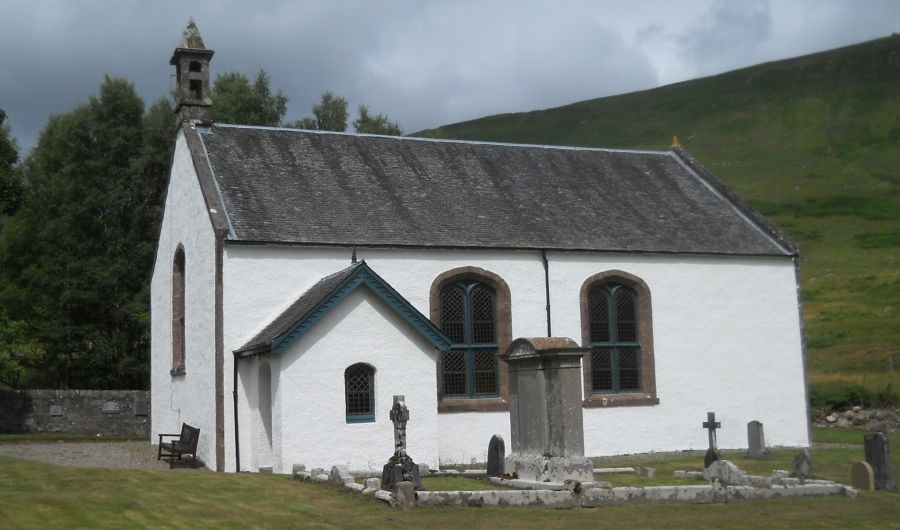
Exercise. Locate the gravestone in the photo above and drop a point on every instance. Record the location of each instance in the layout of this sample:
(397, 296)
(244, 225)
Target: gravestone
(862, 477)
(802, 465)
(726, 472)
(878, 455)
(712, 454)
(141, 407)
(56, 411)
(400, 467)
(545, 410)
(496, 456)
(111, 407)
(756, 441)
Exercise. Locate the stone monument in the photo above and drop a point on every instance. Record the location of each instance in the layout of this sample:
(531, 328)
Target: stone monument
(802, 465)
(545, 410)
(878, 455)
(756, 441)
(400, 467)
(712, 454)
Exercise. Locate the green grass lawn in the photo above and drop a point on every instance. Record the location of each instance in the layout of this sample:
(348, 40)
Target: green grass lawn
(36, 495)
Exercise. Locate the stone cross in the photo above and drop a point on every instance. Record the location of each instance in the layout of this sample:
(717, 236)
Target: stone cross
(712, 454)
(399, 416)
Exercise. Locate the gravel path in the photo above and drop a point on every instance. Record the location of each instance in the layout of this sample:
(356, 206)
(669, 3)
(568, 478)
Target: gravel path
(131, 455)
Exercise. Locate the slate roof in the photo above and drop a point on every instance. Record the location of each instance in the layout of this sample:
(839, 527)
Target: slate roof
(310, 187)
(312, 305)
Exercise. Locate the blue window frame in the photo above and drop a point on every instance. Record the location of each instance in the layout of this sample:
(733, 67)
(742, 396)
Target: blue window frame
(359, 393)
(615, 347)
(469, 318)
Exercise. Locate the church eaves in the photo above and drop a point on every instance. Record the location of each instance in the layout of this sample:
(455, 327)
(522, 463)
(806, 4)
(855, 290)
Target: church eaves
(315, 303)
(285, 186)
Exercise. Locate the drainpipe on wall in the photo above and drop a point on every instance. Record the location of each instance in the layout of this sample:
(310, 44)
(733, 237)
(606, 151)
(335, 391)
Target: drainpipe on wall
(237, 439)
(547, 287)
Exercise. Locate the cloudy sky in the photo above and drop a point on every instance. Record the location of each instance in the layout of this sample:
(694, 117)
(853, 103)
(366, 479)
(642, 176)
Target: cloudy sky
(424, 63)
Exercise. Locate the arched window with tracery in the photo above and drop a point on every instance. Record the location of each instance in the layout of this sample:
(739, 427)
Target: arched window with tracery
(472, 307)
(617, 327)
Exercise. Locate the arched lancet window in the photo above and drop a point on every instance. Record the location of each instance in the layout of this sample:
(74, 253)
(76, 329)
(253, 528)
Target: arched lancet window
(472, 307)
(469, 319)
(359, 393)
(615, 349)
(617, 327)
(178, 324)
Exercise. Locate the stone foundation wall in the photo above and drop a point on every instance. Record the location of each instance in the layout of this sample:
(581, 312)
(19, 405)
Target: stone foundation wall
(91, 412)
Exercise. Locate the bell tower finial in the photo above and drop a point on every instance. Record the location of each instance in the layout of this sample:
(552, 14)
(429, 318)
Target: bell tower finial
(191, 61)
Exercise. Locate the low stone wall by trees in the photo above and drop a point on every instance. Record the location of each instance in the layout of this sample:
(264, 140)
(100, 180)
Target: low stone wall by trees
(90, 412)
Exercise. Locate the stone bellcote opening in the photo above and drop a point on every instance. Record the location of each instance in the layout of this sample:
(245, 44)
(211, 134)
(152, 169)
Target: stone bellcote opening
(191, 61)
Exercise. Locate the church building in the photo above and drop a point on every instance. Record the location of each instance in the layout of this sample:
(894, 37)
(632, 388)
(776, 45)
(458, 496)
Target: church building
(303, 278)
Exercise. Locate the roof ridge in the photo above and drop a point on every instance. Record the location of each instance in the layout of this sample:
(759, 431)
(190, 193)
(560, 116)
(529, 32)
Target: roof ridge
(443, 140)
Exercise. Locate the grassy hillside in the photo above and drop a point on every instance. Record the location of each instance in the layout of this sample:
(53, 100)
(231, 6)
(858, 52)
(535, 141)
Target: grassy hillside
(813, 142)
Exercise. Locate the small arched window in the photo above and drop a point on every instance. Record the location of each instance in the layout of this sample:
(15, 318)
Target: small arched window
(617, 327)
(178, 324)
(359, 393)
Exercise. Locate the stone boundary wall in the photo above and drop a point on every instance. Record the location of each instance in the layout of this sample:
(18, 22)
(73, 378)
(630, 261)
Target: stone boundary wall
(87, 412)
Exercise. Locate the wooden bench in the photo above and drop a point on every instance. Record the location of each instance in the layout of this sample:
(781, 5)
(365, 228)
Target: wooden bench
(184, 444)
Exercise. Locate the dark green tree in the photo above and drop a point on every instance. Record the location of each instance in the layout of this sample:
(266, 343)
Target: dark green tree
(236, 100)
(331, 113)
(75, 260)
(11, 187)
(375, 124)
(307, 122)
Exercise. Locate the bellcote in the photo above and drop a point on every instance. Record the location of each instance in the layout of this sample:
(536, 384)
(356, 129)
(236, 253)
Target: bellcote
(191, 61)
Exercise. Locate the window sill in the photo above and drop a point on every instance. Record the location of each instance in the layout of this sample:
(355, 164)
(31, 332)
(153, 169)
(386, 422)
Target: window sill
(178, 370)
(473, 405)
(360, 419)
(620, 400)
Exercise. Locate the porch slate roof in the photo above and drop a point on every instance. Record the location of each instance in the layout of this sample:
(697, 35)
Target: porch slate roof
(312, 305)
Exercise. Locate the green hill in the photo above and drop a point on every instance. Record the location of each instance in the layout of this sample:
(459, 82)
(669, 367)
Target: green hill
(813, 142)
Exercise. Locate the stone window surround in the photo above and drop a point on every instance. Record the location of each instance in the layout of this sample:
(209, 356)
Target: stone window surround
(504, 337)
(647, 395)
(178, 311)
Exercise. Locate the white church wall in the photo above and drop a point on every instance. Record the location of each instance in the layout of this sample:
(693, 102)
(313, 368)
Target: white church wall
(188, 398)
(726, 335)
(726, 338)
(312, 427)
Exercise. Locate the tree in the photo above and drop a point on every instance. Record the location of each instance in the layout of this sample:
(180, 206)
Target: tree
(307, 122)
(331, 113)
(236, 100)
(377, 124)
(76, 258)
(11, 187)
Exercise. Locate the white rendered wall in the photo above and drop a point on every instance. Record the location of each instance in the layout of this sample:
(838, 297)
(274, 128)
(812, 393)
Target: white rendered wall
(188, 398)
(310, 425)
(726, 336)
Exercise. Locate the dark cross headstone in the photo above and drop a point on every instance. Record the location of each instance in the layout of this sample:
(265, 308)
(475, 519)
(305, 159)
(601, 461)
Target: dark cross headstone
(400, 467)
(495, 457)
(878, 455)
(802, 465)
(756, 441)
(712, 454)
